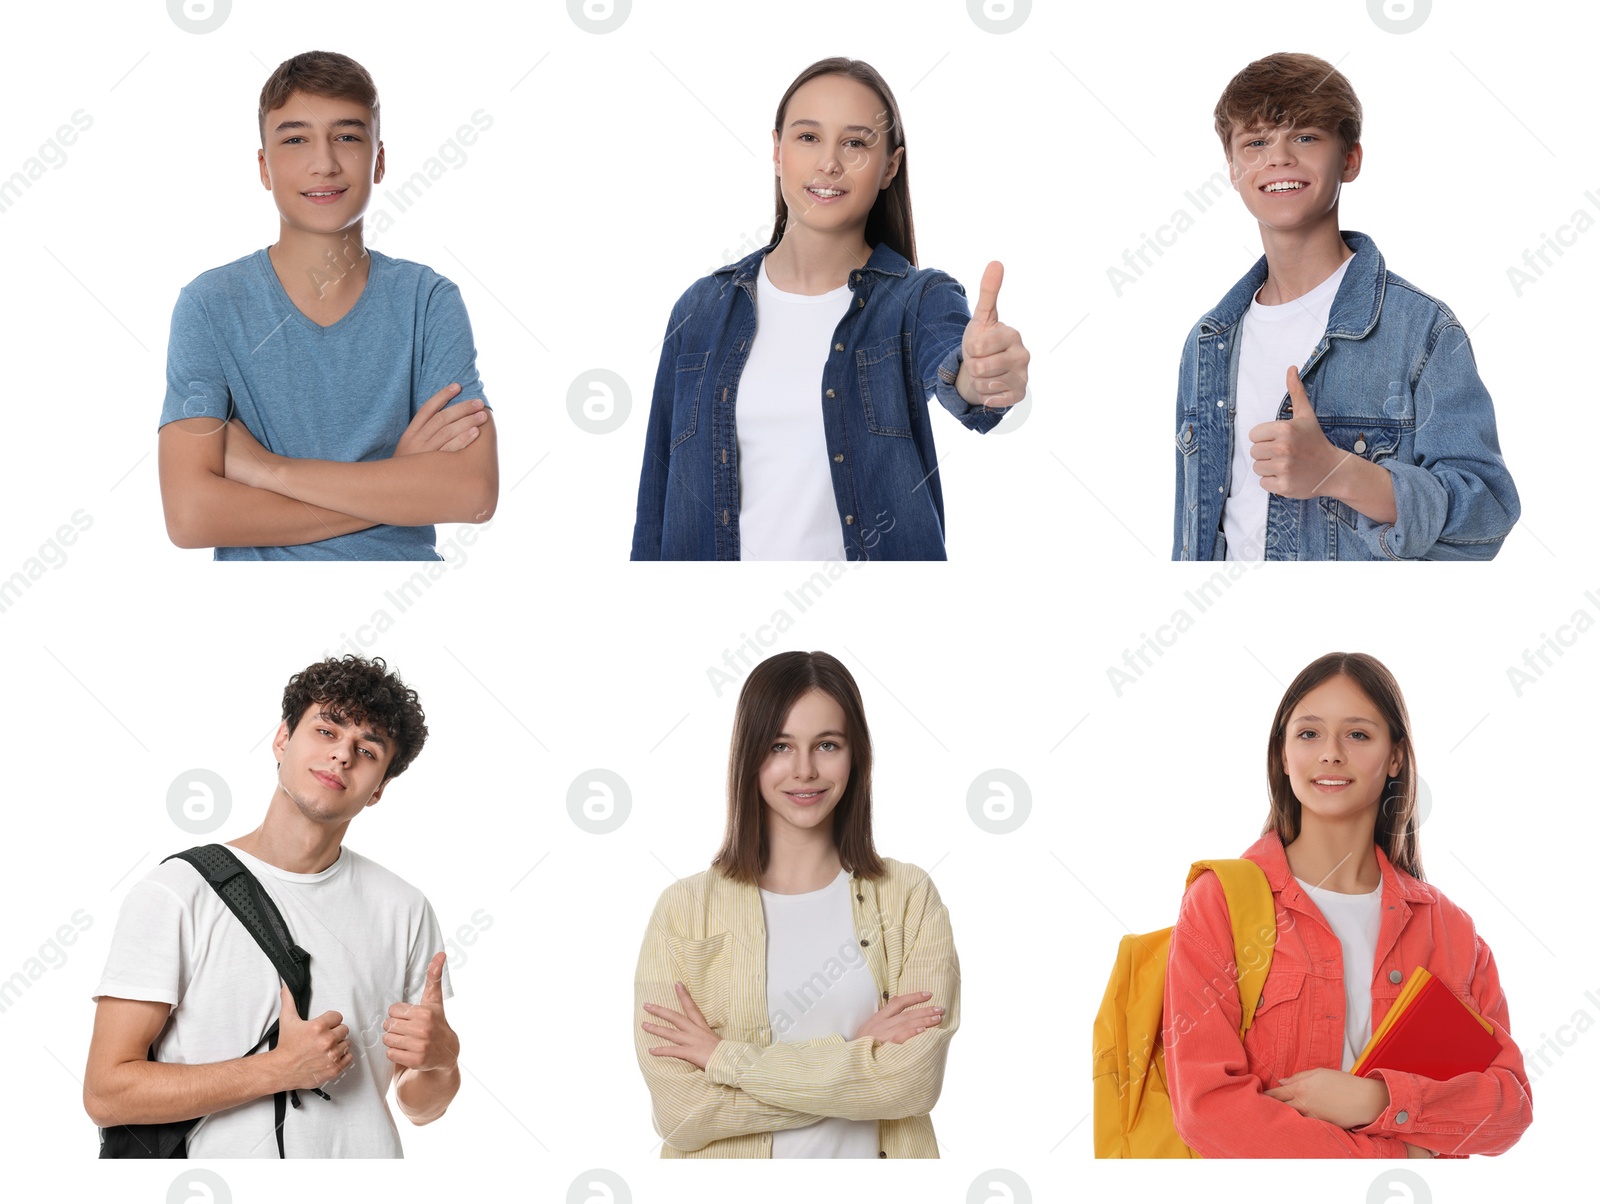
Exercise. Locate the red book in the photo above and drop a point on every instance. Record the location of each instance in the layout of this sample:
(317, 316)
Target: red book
(1436, 1035)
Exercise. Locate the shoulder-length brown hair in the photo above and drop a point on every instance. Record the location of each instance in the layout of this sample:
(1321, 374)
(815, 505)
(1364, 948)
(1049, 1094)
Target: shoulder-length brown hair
(1395, 830)
(769, 693)
(890, 219)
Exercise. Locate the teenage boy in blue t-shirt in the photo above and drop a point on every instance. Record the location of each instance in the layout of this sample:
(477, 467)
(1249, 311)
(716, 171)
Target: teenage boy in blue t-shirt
(1327, 408)
(323, 400)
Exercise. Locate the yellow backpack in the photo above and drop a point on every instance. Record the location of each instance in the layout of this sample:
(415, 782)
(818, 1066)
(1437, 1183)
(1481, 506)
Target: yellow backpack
(1132, 1109)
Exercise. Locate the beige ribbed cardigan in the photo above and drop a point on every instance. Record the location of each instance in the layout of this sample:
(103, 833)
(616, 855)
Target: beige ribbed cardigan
(708, 933)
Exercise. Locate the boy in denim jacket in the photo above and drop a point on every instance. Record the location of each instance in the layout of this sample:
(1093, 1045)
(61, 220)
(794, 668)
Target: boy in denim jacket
(1382, 443)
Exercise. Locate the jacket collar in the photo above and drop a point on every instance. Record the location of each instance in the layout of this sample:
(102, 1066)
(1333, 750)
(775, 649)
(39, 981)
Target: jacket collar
(1269, 855)
(884, 261)
(1355, 305)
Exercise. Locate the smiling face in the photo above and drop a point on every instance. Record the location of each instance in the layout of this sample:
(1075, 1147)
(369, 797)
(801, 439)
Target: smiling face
(833, 156)
(807, 766)
(320, 159)
(1337, 752)
(1290, 176)
(331, 769)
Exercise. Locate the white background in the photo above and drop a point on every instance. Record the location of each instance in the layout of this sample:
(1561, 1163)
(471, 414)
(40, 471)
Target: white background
(619, 167)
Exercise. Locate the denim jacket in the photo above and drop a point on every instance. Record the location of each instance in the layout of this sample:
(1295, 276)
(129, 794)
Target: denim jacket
(1393, 380)
(899, 343)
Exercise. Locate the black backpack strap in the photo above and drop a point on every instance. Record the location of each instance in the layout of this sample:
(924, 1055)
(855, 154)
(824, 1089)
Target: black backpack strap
(253, 907)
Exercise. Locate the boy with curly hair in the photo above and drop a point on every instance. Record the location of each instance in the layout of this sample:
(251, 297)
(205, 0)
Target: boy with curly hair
(187, 982)
(1327, 408)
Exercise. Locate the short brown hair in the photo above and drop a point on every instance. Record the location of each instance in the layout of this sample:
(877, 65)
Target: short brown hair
(319, 73)
(1288, 90)
(1395, 829)
(771, 690)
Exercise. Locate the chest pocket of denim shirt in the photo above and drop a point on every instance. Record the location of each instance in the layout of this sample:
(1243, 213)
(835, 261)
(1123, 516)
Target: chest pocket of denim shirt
(883, 373)
(1274, 1041)
(1373, 439)
(688, 382)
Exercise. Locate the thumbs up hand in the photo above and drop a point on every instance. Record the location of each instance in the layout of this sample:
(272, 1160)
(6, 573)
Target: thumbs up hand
(1293, 458)
(310, 1053)
(994, 363)
(416, 1035)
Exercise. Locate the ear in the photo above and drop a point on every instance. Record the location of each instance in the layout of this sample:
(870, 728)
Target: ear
(377, 171)
(281, 740)
(1352, 162)
(377, 794)
(1397, 761)
(893, 168)
(261, 165)
(777, 160)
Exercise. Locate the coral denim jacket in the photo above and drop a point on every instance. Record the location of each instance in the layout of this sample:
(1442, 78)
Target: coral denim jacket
(898, 345)
(1217, 1082)
(1392, 380)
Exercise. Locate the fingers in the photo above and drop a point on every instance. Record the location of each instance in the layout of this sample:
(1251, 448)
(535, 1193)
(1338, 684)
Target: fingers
(985, 313)
(437, 402)
(286, 1003)
(689, 1007)
(1300, 403)
(433, 991)
(901, 1002)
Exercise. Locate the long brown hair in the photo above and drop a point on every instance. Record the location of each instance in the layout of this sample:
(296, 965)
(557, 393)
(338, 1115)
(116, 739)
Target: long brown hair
(1395, 829)
(769, 693)
(890, 219)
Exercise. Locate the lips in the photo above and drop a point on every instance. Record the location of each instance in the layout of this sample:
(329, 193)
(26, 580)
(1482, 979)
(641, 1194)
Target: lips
(1330, 784)
(804, 798)
(327, 779)
(1277, 187)
(825, 194)
(323, 196)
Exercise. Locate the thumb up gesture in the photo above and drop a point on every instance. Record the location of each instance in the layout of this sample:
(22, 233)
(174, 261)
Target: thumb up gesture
(994, 363)
(416, 1035)
(1293, 458)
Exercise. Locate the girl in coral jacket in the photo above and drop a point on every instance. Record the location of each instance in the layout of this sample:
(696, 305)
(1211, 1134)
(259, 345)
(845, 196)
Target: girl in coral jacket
(1354, 919)
(796, 999)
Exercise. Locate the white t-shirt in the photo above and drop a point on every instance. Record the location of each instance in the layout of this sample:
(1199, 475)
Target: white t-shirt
(787, 510)
(370, 936)
(1274, 338)
(1354, 920)
(818, 985)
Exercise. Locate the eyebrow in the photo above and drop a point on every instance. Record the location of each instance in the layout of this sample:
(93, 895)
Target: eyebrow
(864, 129)
(1347, 719)
(819, 735)
(337, 123)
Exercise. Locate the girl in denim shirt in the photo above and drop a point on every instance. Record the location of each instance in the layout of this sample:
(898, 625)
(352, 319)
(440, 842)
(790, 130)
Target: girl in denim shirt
(829, 453)
(1354, 919)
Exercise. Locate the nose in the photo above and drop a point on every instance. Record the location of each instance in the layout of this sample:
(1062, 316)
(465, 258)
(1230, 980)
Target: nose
(805, 766)
(323, 161)
(340, 752)
(1333, 750)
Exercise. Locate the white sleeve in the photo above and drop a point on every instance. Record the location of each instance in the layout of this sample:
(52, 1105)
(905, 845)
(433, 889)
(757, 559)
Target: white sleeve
(147, 959)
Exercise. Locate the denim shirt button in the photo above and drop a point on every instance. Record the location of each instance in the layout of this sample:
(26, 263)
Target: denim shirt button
(860, 302)
(1221, 401)
(838, 458)
(849, 520)
(831, 395)
(838, 346)
(1188, 435)
(1361, 446)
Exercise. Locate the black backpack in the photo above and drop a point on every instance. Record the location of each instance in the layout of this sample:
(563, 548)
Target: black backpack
(246, 898)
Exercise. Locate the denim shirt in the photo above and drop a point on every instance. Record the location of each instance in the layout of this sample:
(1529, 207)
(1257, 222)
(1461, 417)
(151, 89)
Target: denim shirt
(898, 344)
(1392, 380)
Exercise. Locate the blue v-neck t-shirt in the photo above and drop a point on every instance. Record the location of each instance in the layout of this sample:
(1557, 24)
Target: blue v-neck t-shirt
(241, 349)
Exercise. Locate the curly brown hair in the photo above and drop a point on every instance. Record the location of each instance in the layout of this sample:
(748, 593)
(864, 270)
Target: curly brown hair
(352, 689)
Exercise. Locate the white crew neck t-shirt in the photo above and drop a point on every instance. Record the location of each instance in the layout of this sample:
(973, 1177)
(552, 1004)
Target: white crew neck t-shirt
(370, 936)
(1354, 920)
(787, 510)
(1274, 338)
(818, 985)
